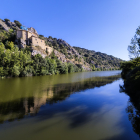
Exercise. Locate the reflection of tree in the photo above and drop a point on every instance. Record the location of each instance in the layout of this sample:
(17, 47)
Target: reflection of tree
(131, 87)
(64, 90)
(17, 109)
(134, 117)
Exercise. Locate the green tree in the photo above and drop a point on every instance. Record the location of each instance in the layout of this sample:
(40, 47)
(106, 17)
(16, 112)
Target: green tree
(70, 68)
(6, 19)
(3, 36)
(93, 68)
(9, 45)
(15, 71)
(1, 71)
(18, 23)
(134, 48)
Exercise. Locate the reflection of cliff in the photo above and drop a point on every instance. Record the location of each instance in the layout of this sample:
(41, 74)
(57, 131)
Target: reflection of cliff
(17, 109)
(37, 102)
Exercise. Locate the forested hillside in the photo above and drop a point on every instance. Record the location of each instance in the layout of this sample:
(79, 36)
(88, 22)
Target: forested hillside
(99, 60)
(15, 61)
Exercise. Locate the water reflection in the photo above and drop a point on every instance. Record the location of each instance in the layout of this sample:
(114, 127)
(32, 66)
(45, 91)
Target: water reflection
(133, 107)
(22, 101)
(133, 111)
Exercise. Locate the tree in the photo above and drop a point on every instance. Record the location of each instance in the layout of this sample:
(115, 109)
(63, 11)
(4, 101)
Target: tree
(9, 45)
(1, 71)
(3, 36)
(134, 48)
(6, 20)
(70, 68)
(93, 67)
(18, 23)
(15, 71)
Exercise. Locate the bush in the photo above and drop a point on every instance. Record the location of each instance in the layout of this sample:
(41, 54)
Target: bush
(128, 66)
(6, 20)
(18, 23)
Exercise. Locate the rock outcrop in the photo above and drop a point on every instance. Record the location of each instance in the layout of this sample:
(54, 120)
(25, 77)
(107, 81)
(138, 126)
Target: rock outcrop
(38, 50)
(3, 25)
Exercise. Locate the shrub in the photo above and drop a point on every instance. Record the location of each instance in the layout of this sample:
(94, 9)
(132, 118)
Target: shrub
(18, 23)
(6, 20)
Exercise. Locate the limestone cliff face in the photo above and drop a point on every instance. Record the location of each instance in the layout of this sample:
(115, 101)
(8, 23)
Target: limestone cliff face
(63, 58)
(60, 56)
(38, 50)
(42, 51)
(3, 25)
(49, 50)
(70, 55)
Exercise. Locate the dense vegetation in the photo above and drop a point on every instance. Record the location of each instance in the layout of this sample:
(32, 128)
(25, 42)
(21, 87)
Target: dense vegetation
(131, 75)
(15, 62)
(131, 69)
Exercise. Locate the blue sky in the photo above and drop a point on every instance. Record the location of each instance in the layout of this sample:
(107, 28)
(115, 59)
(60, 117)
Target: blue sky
(101, 25)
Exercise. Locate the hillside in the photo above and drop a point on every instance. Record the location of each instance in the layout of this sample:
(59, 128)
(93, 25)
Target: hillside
(99, 60)
(92, 59)
(57, 49)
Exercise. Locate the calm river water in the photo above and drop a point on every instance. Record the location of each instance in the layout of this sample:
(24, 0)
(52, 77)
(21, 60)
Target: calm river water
(78, 106)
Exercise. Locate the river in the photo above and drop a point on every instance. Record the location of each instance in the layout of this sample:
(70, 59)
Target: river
(77, 106)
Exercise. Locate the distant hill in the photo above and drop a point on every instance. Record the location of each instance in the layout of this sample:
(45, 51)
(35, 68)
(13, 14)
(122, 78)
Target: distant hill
(98, 59)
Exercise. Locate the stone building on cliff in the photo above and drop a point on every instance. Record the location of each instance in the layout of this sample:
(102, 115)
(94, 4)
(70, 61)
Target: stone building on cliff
(29, 37)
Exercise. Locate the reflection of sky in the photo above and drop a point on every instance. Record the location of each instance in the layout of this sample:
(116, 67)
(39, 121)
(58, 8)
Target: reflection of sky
(94, 114)
(100, 124)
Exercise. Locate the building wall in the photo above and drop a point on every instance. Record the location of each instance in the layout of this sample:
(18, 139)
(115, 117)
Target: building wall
(38, 42)
(29, 34)
(19, 34)
(34, 34)
(24, 35)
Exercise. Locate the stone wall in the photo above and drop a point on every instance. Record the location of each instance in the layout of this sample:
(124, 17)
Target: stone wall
(38, 42)
(29, 34)
(49, 50)
(19, 34)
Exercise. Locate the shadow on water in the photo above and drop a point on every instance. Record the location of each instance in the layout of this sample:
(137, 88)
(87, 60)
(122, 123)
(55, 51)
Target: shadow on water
(133, 106)
(17, 105)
